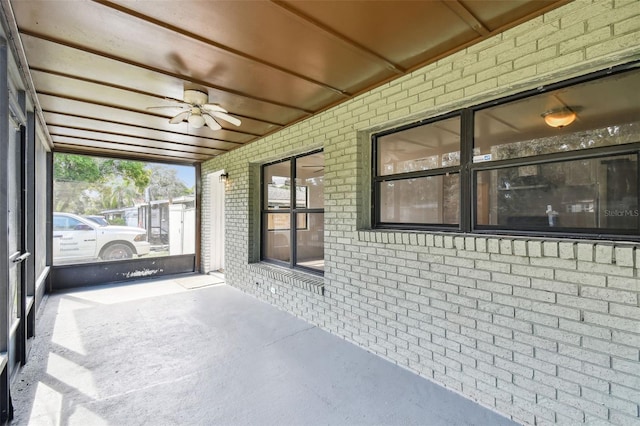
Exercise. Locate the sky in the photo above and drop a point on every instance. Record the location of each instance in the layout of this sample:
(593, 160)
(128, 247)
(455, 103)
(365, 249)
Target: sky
(186, 174)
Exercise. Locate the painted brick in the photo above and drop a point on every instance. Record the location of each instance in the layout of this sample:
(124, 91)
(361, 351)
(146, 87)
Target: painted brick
(631, 339)
(605, 269)
(624, 393)
(623, 420)
(581, 277)
(557, 335)
(571, 412)
(535, 248)
(540, 295)
(621, 43)
(615, 323)
(611, 295)
(607, 347)
(585, 405)
(562, 61)
(585, 329)
(520, 248)
(480, 296)
(624, 256)
(629, 367)
(557, 383)
(535, 341)
(555, 286)
(586, 304)
(624, 283)
(575, 354)
(586, 252)
(620, 377)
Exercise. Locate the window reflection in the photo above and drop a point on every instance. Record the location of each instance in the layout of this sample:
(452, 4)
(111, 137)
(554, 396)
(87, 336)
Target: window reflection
(517, 129)
(295, 200)
(426, 200)
(426, 147)
(277, 245)
(310, 240)
(599, 193)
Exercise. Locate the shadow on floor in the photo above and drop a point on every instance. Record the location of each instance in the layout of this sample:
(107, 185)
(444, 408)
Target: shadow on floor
(194, 351)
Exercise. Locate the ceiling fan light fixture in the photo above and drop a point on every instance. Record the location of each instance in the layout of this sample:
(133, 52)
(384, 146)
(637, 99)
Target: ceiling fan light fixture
(559, 117)
(196, 120)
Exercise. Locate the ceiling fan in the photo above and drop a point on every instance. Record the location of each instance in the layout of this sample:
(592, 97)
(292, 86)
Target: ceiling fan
(198, 112)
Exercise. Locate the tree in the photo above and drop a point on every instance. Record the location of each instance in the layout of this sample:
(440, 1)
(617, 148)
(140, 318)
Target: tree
(86, 185)
(165, 184)
(131, 172)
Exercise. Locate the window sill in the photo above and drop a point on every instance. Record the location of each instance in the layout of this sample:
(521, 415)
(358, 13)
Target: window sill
(296, 278)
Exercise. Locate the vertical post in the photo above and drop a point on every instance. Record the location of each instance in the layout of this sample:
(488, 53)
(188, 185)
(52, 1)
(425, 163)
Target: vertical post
(30, 220)
(467, 198)
(198, 233)
(5, 380)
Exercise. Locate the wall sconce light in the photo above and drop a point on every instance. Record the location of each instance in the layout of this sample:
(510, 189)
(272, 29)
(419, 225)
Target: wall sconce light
(224, 176)
(559, 117)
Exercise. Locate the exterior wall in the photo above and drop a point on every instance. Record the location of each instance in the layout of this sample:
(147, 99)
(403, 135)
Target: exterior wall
(542, 330)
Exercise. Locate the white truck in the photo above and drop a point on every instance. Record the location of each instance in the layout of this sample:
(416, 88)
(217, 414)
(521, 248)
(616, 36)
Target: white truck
(78, 239)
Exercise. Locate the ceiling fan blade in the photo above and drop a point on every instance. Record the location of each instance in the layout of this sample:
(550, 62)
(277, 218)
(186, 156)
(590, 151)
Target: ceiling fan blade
(213, 107)
(227, 117)
(178, 118)
(169, 107)
(213, 124)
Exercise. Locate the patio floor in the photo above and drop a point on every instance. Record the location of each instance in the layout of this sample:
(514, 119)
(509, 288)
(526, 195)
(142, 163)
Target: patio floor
(195, 351)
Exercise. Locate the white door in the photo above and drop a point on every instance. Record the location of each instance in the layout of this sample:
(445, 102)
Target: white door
(216, 192)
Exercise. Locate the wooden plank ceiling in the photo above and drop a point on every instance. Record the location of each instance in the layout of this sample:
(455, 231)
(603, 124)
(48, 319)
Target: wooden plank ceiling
(97, 66)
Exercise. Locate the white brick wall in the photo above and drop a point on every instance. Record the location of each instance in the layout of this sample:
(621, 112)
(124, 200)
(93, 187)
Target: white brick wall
(544, 331)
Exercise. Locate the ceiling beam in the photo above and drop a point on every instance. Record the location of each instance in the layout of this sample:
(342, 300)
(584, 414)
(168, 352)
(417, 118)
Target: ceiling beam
(397, 69)
(56, 128)
(73, 148)
(140, 92)
(468, 17)
(142, 128)
(71, 98)
(158, 70)
(99, 143)
(218, 46)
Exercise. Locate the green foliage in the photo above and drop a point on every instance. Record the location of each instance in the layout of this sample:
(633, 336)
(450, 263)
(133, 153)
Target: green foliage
(118, 221)
(89, 185)
(75, 168)
(131, 172)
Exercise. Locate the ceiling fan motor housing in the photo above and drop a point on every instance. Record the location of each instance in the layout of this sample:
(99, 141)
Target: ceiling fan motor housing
(196, 97)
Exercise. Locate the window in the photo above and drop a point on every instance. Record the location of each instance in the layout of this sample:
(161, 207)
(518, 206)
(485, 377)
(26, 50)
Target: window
(417, 179)
(109, 209)
(293, 212)
(558, 160)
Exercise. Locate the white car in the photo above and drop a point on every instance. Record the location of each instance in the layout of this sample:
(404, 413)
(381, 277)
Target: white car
(76, 238)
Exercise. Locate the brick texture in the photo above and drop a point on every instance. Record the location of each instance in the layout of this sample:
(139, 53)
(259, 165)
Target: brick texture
(542, 331)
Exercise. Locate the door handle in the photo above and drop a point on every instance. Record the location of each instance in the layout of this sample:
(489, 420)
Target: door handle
(21, 258)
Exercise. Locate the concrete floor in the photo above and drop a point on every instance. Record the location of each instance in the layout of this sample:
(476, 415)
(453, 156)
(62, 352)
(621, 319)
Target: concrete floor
(194, 351)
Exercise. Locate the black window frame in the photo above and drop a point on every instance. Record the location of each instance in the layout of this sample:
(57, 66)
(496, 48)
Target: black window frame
(469, 170)
(377, 179)
(293, 210)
